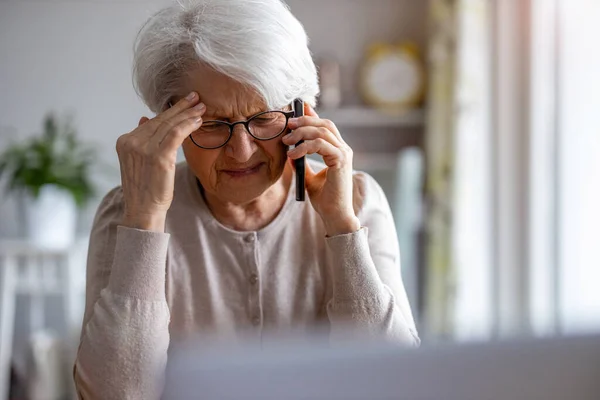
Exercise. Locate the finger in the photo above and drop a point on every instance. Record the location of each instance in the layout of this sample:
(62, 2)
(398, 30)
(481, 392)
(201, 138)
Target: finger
(162, 122)
(310, 133)
(147, 131)
(187, 102)
(176, 135)
(308, 120)
(332, 155)
(309, 172)
(166, 125)
(143, 120)
(308, 110)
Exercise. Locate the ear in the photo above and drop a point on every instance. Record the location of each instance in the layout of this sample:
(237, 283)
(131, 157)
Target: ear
(143, 120)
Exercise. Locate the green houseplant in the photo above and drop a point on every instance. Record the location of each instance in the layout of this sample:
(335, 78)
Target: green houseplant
(56, 157)
(52, 172)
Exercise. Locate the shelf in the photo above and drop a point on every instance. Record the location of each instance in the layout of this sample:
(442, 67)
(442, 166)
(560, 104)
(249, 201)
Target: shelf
(371, 161)
(369, 117)
(376, 161)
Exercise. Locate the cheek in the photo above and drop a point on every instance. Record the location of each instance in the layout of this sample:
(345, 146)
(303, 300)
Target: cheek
(200, 161)
(276, 151)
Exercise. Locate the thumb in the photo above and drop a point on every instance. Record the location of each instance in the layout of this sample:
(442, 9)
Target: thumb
(309, 173)
(312, 179)
(143, 120)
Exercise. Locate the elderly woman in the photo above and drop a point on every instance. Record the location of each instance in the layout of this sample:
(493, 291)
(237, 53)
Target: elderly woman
(218, 245)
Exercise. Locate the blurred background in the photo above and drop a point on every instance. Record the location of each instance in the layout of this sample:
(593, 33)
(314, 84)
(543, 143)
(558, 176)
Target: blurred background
(479, 118)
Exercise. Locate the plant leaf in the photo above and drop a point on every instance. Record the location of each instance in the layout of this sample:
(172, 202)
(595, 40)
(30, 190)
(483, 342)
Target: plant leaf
(54, 157)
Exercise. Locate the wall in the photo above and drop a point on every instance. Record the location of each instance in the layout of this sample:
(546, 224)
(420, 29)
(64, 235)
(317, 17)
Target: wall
(579, 168)
(75, 56)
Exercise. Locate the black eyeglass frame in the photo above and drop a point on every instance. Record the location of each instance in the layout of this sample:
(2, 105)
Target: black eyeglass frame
(246, 123)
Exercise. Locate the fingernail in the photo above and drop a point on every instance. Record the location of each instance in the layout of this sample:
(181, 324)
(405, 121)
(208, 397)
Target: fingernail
(191, 96)
(200, 106)
(198, 121)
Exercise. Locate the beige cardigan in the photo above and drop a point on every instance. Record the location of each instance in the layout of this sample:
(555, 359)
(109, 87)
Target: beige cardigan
(145, 289)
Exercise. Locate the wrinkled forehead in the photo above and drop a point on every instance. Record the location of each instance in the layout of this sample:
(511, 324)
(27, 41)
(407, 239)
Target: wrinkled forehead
(225, 98)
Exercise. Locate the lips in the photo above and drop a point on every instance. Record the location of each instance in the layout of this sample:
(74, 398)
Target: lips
(243, 171)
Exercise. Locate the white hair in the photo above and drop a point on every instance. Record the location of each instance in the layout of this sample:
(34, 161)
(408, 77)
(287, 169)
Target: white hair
(258, 43)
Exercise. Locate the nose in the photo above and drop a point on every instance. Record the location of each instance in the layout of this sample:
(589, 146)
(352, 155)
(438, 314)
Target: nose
(241, 146)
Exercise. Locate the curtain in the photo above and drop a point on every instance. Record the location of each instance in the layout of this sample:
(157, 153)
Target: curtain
(439, 145)
(459, 290)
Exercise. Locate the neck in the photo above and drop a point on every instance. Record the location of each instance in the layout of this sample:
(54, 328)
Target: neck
(256, 214)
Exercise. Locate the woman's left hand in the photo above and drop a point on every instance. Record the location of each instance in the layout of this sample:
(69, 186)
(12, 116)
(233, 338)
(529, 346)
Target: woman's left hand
(330, 190)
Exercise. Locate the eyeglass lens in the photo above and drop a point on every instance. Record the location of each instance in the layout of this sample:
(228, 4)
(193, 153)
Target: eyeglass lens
(264, 126)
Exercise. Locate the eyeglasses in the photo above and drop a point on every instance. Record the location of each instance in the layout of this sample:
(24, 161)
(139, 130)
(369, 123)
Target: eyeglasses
(266, 125)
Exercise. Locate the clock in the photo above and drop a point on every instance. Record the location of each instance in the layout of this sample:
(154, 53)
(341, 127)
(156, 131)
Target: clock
(392, 77)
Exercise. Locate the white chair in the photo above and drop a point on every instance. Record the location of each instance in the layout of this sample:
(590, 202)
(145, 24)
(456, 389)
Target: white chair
(26, 269)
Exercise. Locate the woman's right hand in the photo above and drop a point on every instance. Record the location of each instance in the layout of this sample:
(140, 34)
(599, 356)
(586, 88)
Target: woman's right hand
(147, 156)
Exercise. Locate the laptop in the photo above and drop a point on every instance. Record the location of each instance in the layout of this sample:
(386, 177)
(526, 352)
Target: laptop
(566, 368)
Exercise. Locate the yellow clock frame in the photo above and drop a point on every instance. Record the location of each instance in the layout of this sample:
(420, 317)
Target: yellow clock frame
(379, 51)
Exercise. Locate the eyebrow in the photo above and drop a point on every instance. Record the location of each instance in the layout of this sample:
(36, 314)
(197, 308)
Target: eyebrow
(221, 117)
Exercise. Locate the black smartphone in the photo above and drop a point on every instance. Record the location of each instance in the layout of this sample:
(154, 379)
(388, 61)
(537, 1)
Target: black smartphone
(300, 163)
